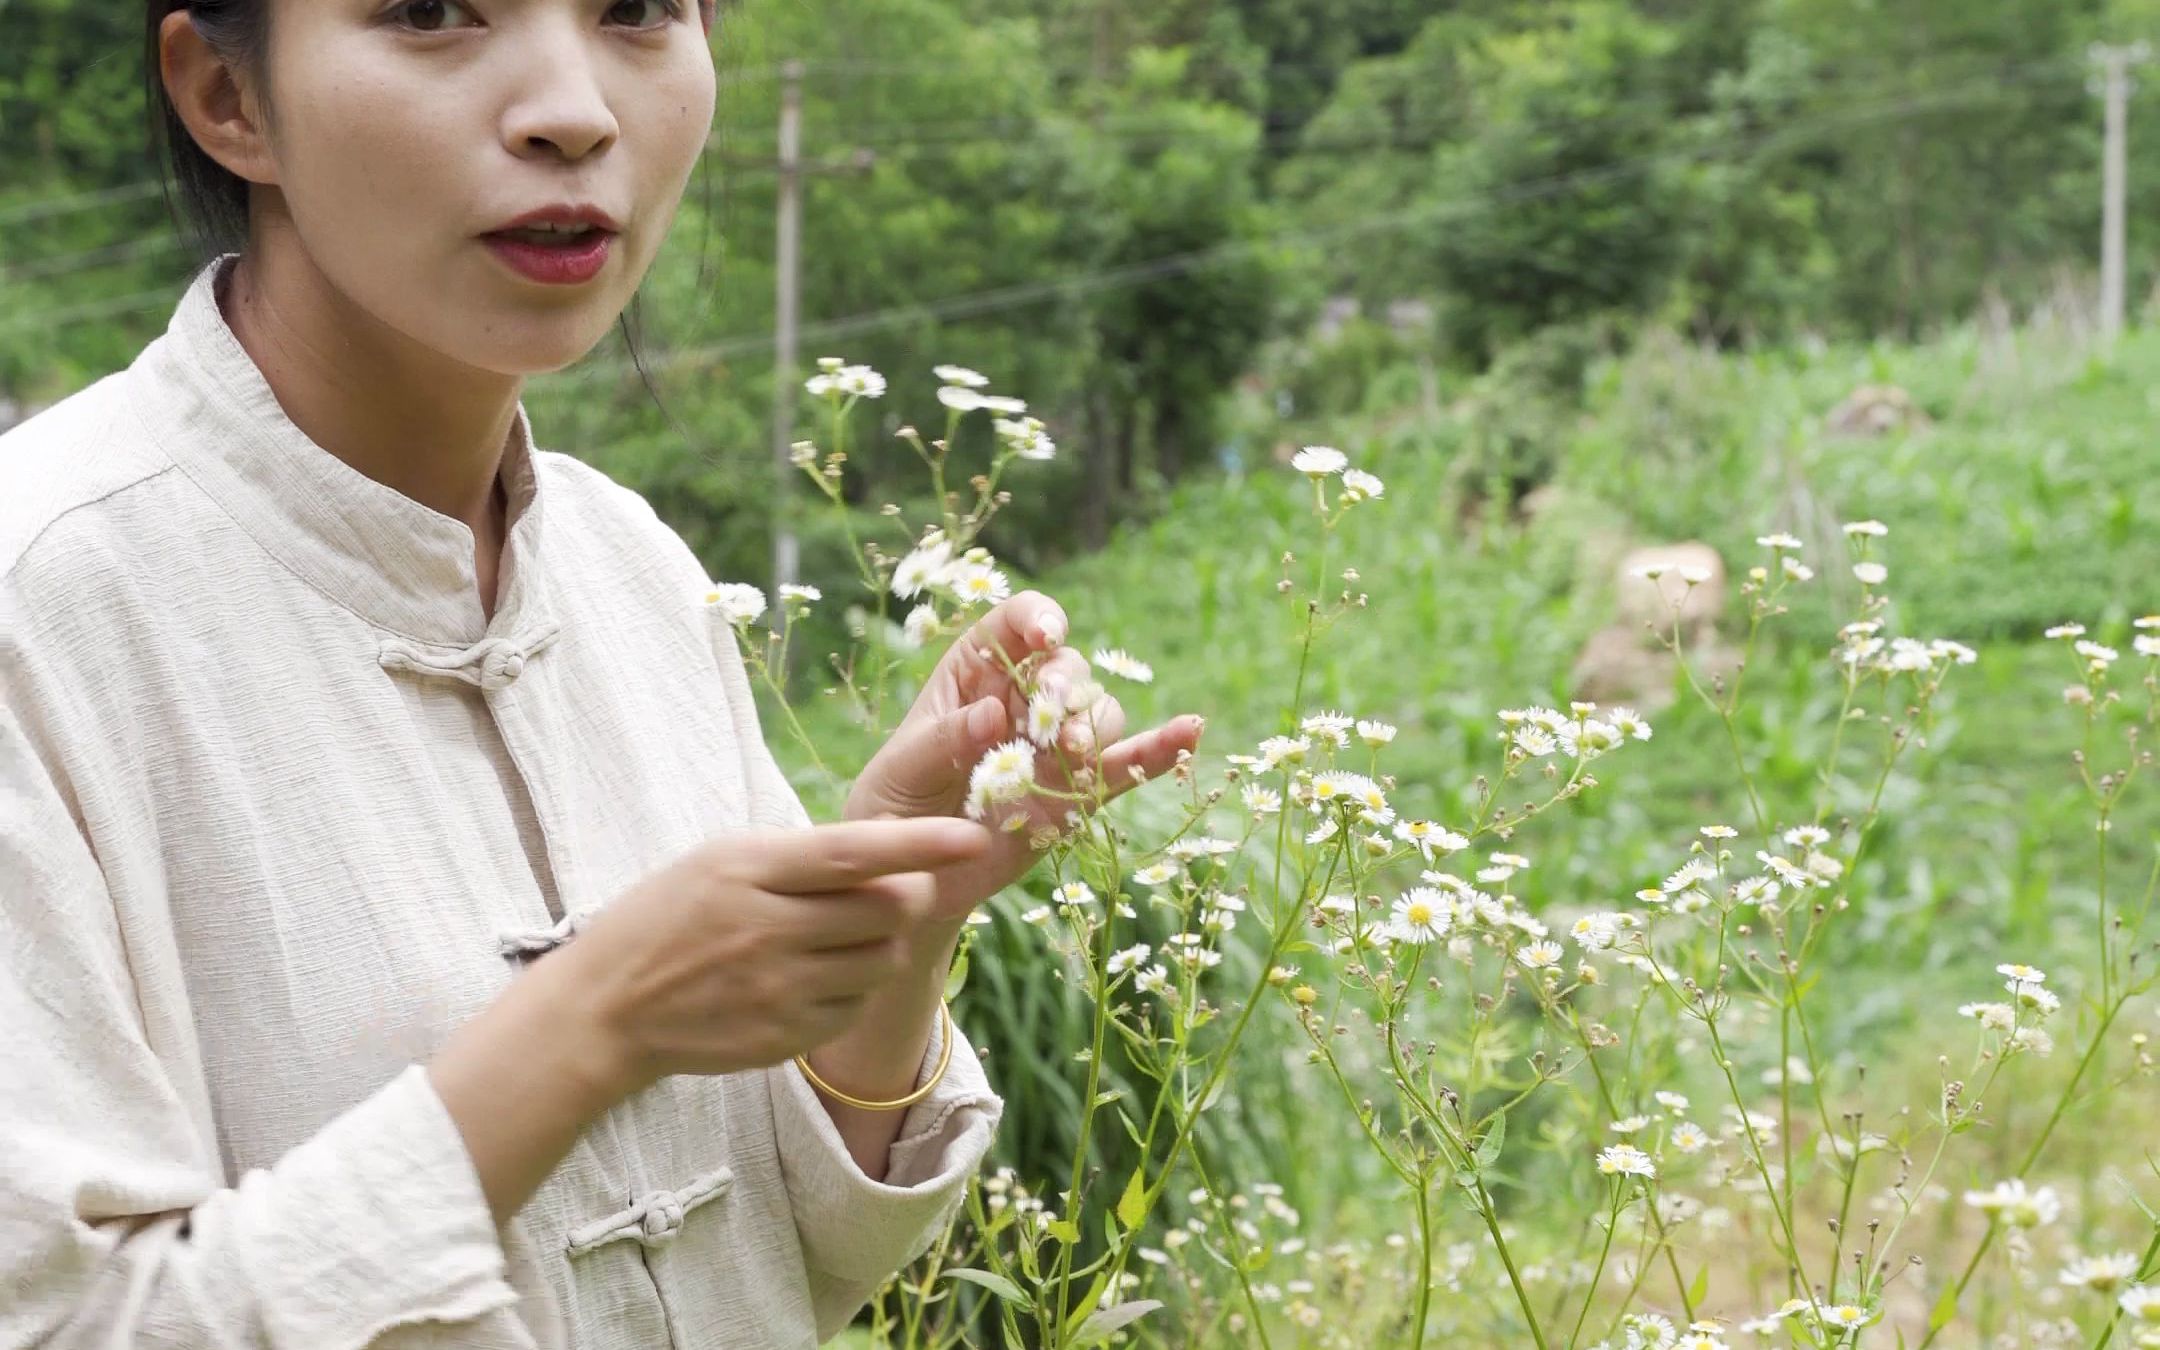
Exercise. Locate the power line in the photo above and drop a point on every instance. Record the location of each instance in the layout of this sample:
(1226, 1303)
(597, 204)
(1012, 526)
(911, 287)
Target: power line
(1023, 294)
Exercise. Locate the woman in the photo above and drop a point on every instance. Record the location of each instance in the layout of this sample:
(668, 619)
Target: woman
(405, 935)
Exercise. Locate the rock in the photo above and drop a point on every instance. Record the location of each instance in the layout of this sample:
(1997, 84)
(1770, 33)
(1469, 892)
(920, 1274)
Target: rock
(1618, 666)
(1629, 662)
(1877, 410)
(1644, 601)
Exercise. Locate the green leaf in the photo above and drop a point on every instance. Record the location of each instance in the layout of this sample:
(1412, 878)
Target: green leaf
(956, 977)
(1488, 1149)
(1103, 1099)
(1699, 1288)
(1945, 1310)
(996, 1284)
(1099, 1325)
(1064, 1230)
(1132, 1206)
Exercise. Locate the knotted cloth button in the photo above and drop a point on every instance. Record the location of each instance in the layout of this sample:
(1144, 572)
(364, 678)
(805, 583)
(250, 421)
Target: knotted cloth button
(502, 664)
(491, 663)
(653, 1218)
(663, 1215)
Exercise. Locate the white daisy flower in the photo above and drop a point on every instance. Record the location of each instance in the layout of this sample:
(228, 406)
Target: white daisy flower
(2141, 1303)
(1873, 529)
(1156, 874)
(1429, 837)
(1421, 915)
(1045, 714)
(1871, 573)
(1375, 733)
(1318, 461)
(1122, 961)
(2102, 1274)
(1262, 801)
(1778, 541)
(920, 569)
(1117, 662)
(1073, 893)
(1025, 437)
(1004, 774)
(800, 594)
(960, 398)
(859, 382)
(1536, 742)
(973, 379)
(1540, 956)
(1596, 932)
(1689, 1137)
(737, 602)
(973, 583)
(1625, 1160)
(2017, 1206)
(2066, 630)
(1360, 486)
(921, 625)
(1796, 570)
(1333, 727)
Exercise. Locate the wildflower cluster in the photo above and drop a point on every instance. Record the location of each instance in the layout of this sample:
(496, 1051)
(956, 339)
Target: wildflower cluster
(1645, 1060)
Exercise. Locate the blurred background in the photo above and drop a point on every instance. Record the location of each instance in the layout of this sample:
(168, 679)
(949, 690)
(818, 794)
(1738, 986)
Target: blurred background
(1579, 279)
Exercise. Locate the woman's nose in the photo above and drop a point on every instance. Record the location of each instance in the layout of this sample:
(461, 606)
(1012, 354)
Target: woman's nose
(560, 107)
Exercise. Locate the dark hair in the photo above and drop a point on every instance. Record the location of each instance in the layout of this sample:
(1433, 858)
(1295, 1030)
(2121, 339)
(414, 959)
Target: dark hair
(208, 202)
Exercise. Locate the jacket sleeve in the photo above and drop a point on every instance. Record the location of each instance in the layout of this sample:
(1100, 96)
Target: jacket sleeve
(857, 1232)
(116, 1225)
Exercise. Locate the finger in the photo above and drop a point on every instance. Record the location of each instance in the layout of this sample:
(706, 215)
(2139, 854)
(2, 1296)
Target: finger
(1064, 668)
(880, 908)
(1154, 752)
(1100, 725)
(924, 767)
(834, 857)
(848, 973)
(1028, 622)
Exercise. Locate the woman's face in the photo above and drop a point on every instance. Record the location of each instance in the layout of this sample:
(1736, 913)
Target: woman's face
(402, 133)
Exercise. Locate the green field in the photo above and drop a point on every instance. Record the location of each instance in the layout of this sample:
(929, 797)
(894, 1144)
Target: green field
(2026, 499)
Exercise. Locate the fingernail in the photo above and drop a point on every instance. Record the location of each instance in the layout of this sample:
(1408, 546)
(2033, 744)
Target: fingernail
(1052, 632)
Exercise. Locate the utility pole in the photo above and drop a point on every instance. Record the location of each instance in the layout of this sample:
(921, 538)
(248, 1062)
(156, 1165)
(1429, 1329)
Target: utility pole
(787, 270)
(2114, 86)
(787, 307)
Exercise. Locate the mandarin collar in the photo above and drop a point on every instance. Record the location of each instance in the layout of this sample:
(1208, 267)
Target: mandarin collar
(402, 566)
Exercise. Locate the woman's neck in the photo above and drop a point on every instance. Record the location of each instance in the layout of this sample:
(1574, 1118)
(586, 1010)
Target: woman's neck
(408, 418)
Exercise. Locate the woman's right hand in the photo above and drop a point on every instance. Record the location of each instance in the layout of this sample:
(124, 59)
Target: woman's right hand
(744, 952)
(756, 947)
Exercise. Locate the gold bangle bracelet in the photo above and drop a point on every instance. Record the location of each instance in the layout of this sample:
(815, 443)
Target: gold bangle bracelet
(944, 1058)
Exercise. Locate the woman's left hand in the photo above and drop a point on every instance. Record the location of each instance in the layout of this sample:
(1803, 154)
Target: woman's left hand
(971, 704)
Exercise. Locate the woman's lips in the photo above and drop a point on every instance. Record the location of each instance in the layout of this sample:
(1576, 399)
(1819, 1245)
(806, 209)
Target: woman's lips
(576, 260)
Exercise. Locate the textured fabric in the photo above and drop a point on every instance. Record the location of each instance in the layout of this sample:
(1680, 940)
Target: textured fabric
(280, 808)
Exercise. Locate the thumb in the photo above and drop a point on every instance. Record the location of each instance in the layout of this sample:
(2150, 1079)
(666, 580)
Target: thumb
(927, 761)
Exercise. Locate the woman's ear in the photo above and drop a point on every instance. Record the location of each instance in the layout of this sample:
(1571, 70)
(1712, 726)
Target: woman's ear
(218, 104)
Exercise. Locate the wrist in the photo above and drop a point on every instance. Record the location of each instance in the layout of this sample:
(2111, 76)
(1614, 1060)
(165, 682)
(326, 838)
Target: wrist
(585, 1042)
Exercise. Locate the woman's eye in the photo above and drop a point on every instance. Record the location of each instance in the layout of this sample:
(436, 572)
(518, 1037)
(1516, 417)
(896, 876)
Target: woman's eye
(656, 12)
(431, 16)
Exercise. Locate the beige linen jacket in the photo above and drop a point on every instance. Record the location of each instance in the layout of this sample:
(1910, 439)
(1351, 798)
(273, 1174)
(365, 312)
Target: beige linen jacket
(279, 809)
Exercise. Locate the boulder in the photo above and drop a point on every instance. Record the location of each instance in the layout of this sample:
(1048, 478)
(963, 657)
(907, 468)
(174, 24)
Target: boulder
(1877, 410)
(1645, 601)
